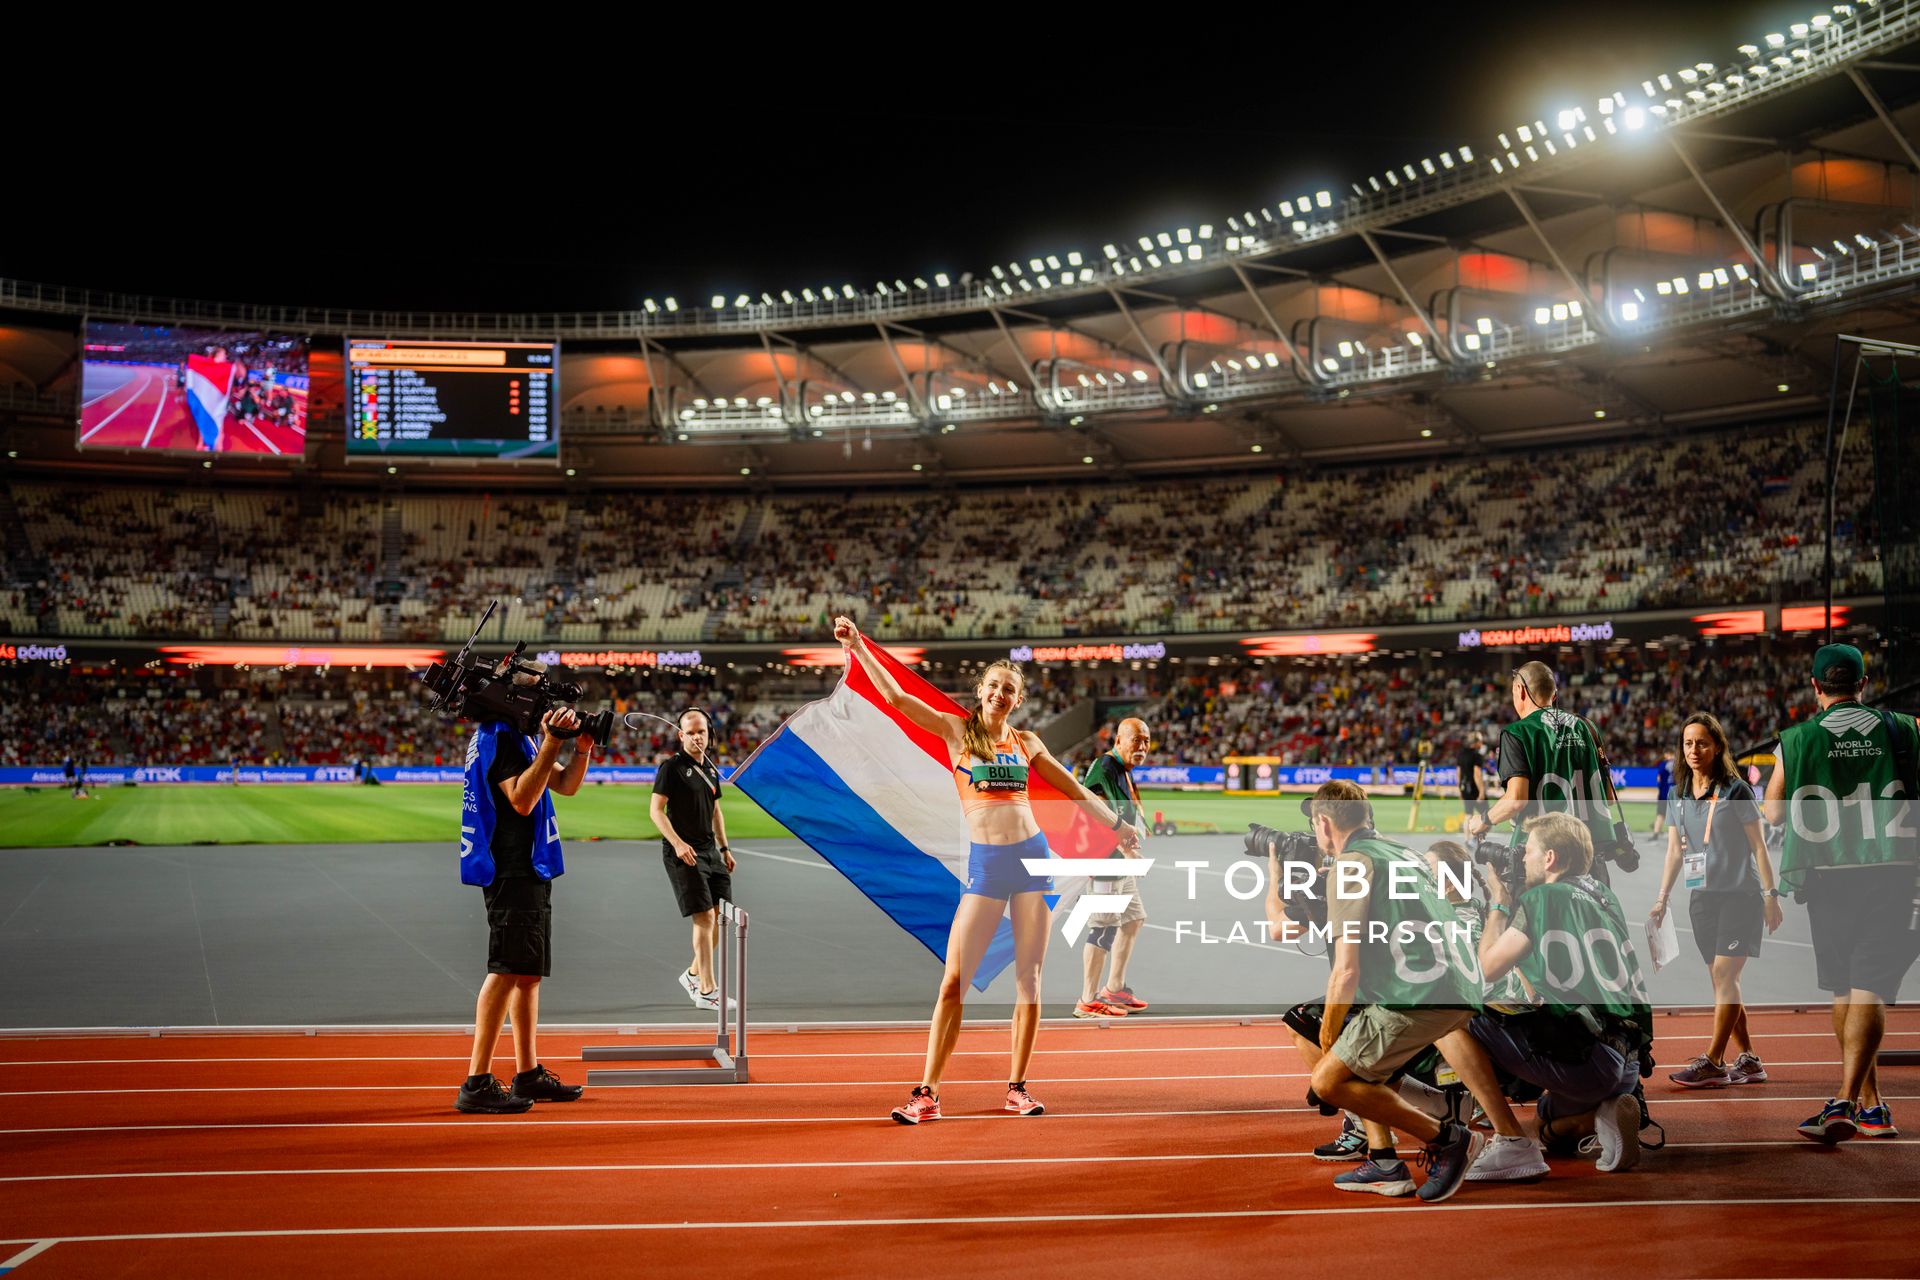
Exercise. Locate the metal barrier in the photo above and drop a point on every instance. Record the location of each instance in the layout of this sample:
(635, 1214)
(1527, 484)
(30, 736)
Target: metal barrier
(729, 1058)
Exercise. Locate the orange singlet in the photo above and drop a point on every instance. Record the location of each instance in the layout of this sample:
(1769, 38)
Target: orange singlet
(1002, 780)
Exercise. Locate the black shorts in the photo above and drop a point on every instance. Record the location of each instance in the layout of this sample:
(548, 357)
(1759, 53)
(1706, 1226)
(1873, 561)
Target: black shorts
(1860, 936)
(698, 887)
(1726, 922)
(520, 926)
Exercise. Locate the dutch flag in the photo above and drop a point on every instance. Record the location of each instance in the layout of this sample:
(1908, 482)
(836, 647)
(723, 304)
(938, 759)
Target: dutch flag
(209, 386)
(873, 794)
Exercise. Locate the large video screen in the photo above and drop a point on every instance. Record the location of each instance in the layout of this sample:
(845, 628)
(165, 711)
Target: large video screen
(453, 399)
(182, 390)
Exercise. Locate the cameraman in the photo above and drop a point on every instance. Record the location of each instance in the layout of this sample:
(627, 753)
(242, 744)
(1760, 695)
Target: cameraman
(513, 851)
(1567, 937)
(1550, 762)
(1844, 790)
(1399, 1005)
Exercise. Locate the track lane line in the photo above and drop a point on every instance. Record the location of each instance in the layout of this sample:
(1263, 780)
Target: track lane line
(1450, 1206)
(737, 1165)
(140, 386)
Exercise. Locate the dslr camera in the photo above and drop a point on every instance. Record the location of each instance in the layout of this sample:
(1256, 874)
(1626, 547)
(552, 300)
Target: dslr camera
(520, 691)
(1505, 863)
(1308, 906)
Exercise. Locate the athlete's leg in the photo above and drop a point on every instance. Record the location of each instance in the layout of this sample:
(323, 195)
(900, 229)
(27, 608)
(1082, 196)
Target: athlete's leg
(1030, 920)
(974, 923)
(1123, 953)
(1092, 964)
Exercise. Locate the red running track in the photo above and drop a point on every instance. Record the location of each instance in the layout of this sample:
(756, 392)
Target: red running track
(1169, 1146)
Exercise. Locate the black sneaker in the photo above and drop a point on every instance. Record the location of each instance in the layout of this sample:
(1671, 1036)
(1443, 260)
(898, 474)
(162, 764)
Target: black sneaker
(488, 1096)
(541, 1085)
(1350, 1145)
(1448, 1157)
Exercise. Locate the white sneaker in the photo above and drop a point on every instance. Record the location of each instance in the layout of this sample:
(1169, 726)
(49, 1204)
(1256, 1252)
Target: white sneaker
(1617, 1124)
(690, 985)
(710, 1001)
(1508, 1160)
(1422, 1096)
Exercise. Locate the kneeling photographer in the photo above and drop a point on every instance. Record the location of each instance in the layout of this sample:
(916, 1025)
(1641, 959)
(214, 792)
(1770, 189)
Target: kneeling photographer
(1566, 936)
(1550, 762)
(1394, 971)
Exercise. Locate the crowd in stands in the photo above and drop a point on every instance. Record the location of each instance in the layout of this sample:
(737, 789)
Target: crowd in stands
(1318, 711)
(1709, 519)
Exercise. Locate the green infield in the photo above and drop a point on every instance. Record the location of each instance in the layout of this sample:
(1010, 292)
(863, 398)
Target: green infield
(315, 814)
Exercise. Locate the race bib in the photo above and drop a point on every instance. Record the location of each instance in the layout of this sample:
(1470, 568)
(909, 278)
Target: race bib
(998, 777)
(1695, 866)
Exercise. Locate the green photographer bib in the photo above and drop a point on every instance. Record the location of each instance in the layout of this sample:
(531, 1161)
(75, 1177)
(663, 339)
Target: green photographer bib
(1427, 958)
(1564, 773)
(1581, 954)
(1846, 804)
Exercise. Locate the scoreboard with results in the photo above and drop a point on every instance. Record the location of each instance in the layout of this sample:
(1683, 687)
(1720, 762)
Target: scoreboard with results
(438, 399)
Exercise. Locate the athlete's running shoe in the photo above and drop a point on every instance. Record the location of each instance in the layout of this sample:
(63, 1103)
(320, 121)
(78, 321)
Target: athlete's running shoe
(1124, 998)
(1350, 1145)
(1382, 1179)
(710, 1001)
(1746, 1069)
(1020, 1102)
(1508, 1160)
(690, 985)
(1875, 1122)
(487, 1096)
(1097, 1008)
(1704, 1073)
(1837, 1121)
(922, 1104)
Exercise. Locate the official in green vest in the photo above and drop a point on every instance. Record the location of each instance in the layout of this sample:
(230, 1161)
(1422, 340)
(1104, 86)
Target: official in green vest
(1567, 938)
(1549, 762)
(1844, 789)
(1402, 965)
(1112, 934)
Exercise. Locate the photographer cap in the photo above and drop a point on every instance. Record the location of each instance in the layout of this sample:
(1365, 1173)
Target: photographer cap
(1839, 666)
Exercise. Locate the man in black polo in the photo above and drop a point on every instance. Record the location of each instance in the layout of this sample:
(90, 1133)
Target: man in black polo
(693, 846)
(1470, 761)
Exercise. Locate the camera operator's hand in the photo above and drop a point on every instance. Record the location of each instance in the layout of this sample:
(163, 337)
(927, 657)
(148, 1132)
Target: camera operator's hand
(684, 851)
(1474, 826)
(845, 631)
(1497, 891)
(556, 722)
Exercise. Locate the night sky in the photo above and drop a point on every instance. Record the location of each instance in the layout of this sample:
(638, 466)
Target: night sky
(578, 166)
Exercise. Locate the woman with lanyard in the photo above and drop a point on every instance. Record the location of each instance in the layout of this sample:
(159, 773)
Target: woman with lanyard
(990, 760)
(1715, 838)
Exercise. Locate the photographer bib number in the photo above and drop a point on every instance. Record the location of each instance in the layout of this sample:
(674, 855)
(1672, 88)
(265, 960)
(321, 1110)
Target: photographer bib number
(1817, 815)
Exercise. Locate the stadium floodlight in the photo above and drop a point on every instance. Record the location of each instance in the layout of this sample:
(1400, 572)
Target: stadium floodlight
(1053, 262)
(1809, 270)
(1233, 244)
(1273, 361)
(1414, 337)
(1559, 311)
(1165, 239)
(847, 396)
(1446, 160)
(1411, 175)
(868, 396)
(847, 291)
(1084, 380)
(1822, 19)
(786, 297)
(718, 301)
(1393, 179)
(1139, 375)
(1466, 155)
(1329, 364)
(1045, 281)
(1548, 144)
(1696, 95)
(1146, 243)
(1074, 259)
(806, 295)
(1200, 379)
(1775, 40)
(1740, 270)
(742, 300)
(1299, 227)
(1133, 263)
(1573, 308)
(1720, 276)
(746, 471)
(1426, 433)
(1526, 133)
(739, 402)
(889, 396)
(700, 402)
(1635, 117)
(998, 274)
(1565, 120)
(1254, 449)
(1663, 288)
(1680, 284)
(919, 282)
(1153, 259)
(1689, 74)
(1374, 183)
(1035, 265)
(1599, 414)
(1346, 350)
(1505, 143)
(1799, 30)
(1750, 50)
(1323, 199)
(941, 280)
(1184, 235)
(1026, 286)
(1497, 166)
(1193, 253)
(1472, 341)
(1206, 231)
(1542, 314)
(1629, 311)
(1591, 135)
(1609, 126)
(764, 401)
(1086, 273)
(650, 306)
(1484, 324)
(1427, 165)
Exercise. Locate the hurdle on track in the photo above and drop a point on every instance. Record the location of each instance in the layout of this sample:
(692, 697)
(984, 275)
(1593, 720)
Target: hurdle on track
(729, 1059)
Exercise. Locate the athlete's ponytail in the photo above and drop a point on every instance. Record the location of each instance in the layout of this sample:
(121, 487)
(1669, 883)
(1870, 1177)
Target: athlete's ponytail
(973, 734)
